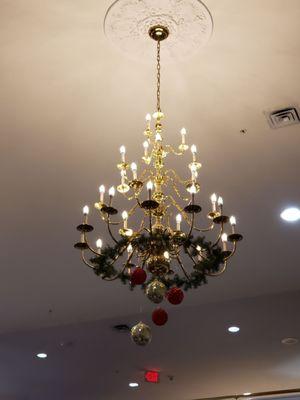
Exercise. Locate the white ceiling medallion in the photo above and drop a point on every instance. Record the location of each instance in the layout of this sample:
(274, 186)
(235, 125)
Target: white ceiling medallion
(190, 24)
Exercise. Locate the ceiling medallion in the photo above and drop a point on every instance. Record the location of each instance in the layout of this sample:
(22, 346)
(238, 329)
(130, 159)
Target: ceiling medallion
(158, 243)
(189, 22)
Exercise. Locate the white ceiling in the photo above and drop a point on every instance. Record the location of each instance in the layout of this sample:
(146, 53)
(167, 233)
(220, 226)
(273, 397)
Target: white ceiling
(68, 100)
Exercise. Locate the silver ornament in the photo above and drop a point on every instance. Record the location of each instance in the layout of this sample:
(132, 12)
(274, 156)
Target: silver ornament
(156, 291)
(141, 334)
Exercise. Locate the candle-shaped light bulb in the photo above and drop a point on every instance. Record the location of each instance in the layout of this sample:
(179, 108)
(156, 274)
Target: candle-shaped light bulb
(102, 191)
(166, 255)
(134, 170)
(220, 203)
(129, 248)
(146, 146)
(213, 199)
(193, 189)
(233, 223)
(198, 248)
(183, 133)
(224, 241)
(99, 246)
(149, 188)
(194, 151)
(125, 218)
(85, 211)
(178, 221)
(158, 137)
(148, 118)
(123, 152)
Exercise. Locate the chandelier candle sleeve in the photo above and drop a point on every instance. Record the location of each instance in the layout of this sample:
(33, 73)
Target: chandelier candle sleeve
(102, 191)
(146, 146)
(183, 133)
(194, 151)
(213, 199)
(125, 218)
(224, 241)
(134, 170)
(233, 223)
(123, 152)
(85, 211)
(99, 246)
(220, 204)
(150, 188)
(178, 221)
(111, 193)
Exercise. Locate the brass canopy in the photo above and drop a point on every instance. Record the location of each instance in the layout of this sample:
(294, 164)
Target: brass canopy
(159, 32)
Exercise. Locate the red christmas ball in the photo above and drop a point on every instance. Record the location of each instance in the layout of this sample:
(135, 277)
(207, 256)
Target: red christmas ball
(138, 276)
(159, 316)
(175, 295)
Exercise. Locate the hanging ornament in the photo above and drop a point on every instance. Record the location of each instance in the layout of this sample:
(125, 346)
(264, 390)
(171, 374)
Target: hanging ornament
(175, 296)
(138, 276)
(141, 334)
(159, 316)
(156, 291)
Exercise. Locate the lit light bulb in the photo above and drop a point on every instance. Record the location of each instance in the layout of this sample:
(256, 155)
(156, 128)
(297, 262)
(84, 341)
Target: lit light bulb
(86, 210)
(194, 151)
(183, 133)
(148, 117)
(193, 189)
(233, 223)
(146, 146)
(99, 245)
(224, 241)
(149, 188)
(213, 199)
(198, 248)
(102, 191)
(220, 203)
(134, 170)
(166, 255)
(178, 221)
(125, 218)
(129, 248)
(123, 152)
(112, 192)
(158, 137)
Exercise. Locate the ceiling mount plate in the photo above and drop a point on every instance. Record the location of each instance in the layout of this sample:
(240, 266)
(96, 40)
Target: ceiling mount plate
(159, 32)
(188, 25)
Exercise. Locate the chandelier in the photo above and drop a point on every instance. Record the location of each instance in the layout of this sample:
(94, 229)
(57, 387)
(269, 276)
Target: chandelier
(158, 243)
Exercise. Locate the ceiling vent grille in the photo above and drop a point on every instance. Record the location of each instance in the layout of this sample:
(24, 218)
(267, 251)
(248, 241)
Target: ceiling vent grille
(283, 117)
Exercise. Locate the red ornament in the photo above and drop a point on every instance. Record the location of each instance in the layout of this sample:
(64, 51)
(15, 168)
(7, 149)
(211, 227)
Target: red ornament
(175, 295)
(138, 276)
(159, 316)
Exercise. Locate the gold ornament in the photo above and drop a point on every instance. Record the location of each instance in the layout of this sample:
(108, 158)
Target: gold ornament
(141, 334)
(156, 291)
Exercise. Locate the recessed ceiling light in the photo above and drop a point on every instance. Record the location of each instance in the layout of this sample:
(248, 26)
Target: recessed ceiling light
(291, 214)
(42, 355)
(233, 329)
(247, 394)
(133, 384)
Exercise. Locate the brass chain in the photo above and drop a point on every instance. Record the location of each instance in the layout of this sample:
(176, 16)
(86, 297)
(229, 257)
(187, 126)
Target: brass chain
(158, 76)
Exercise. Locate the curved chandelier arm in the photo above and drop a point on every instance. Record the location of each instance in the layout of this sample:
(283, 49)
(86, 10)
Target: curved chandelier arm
(232, 252)
(220, 272)
(170, 149)
(219, 235)
(85, 260)
(110, 232)
(176, 176)
(210, 228)
(191, 257)
(89, 246)
(183, 269)
(176, 190)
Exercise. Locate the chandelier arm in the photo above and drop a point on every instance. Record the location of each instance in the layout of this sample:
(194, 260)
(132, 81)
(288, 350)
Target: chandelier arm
(232, 251)
(192, 225)
(211, 227)
(176, 190)
(176, 205)
(110, 232)
(170, 149)
(183, 269)
(214, 274)
(219, 236)
(176, 176)
(85, 260)
(191, 257)
(90, 247)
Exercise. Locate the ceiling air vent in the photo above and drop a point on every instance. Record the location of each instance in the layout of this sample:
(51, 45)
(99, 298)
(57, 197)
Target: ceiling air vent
(284, 117)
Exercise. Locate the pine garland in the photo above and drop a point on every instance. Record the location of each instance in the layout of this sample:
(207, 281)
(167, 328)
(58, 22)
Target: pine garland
(211, 263)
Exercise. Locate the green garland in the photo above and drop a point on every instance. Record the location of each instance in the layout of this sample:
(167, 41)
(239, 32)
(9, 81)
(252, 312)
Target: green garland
(214, 259)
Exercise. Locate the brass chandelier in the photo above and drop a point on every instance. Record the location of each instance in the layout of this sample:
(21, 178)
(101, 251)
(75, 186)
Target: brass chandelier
(157, 252)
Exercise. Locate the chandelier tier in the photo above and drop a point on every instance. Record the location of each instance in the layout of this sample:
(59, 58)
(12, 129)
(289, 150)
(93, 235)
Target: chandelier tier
(166, 250)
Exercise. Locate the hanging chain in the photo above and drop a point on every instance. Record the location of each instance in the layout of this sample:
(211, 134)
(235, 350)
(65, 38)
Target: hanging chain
(158, 76)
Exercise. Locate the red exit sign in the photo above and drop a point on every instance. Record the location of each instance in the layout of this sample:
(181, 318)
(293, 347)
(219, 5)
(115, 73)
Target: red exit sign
(152, 376)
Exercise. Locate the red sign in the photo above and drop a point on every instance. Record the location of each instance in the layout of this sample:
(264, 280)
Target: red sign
(152, 376)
